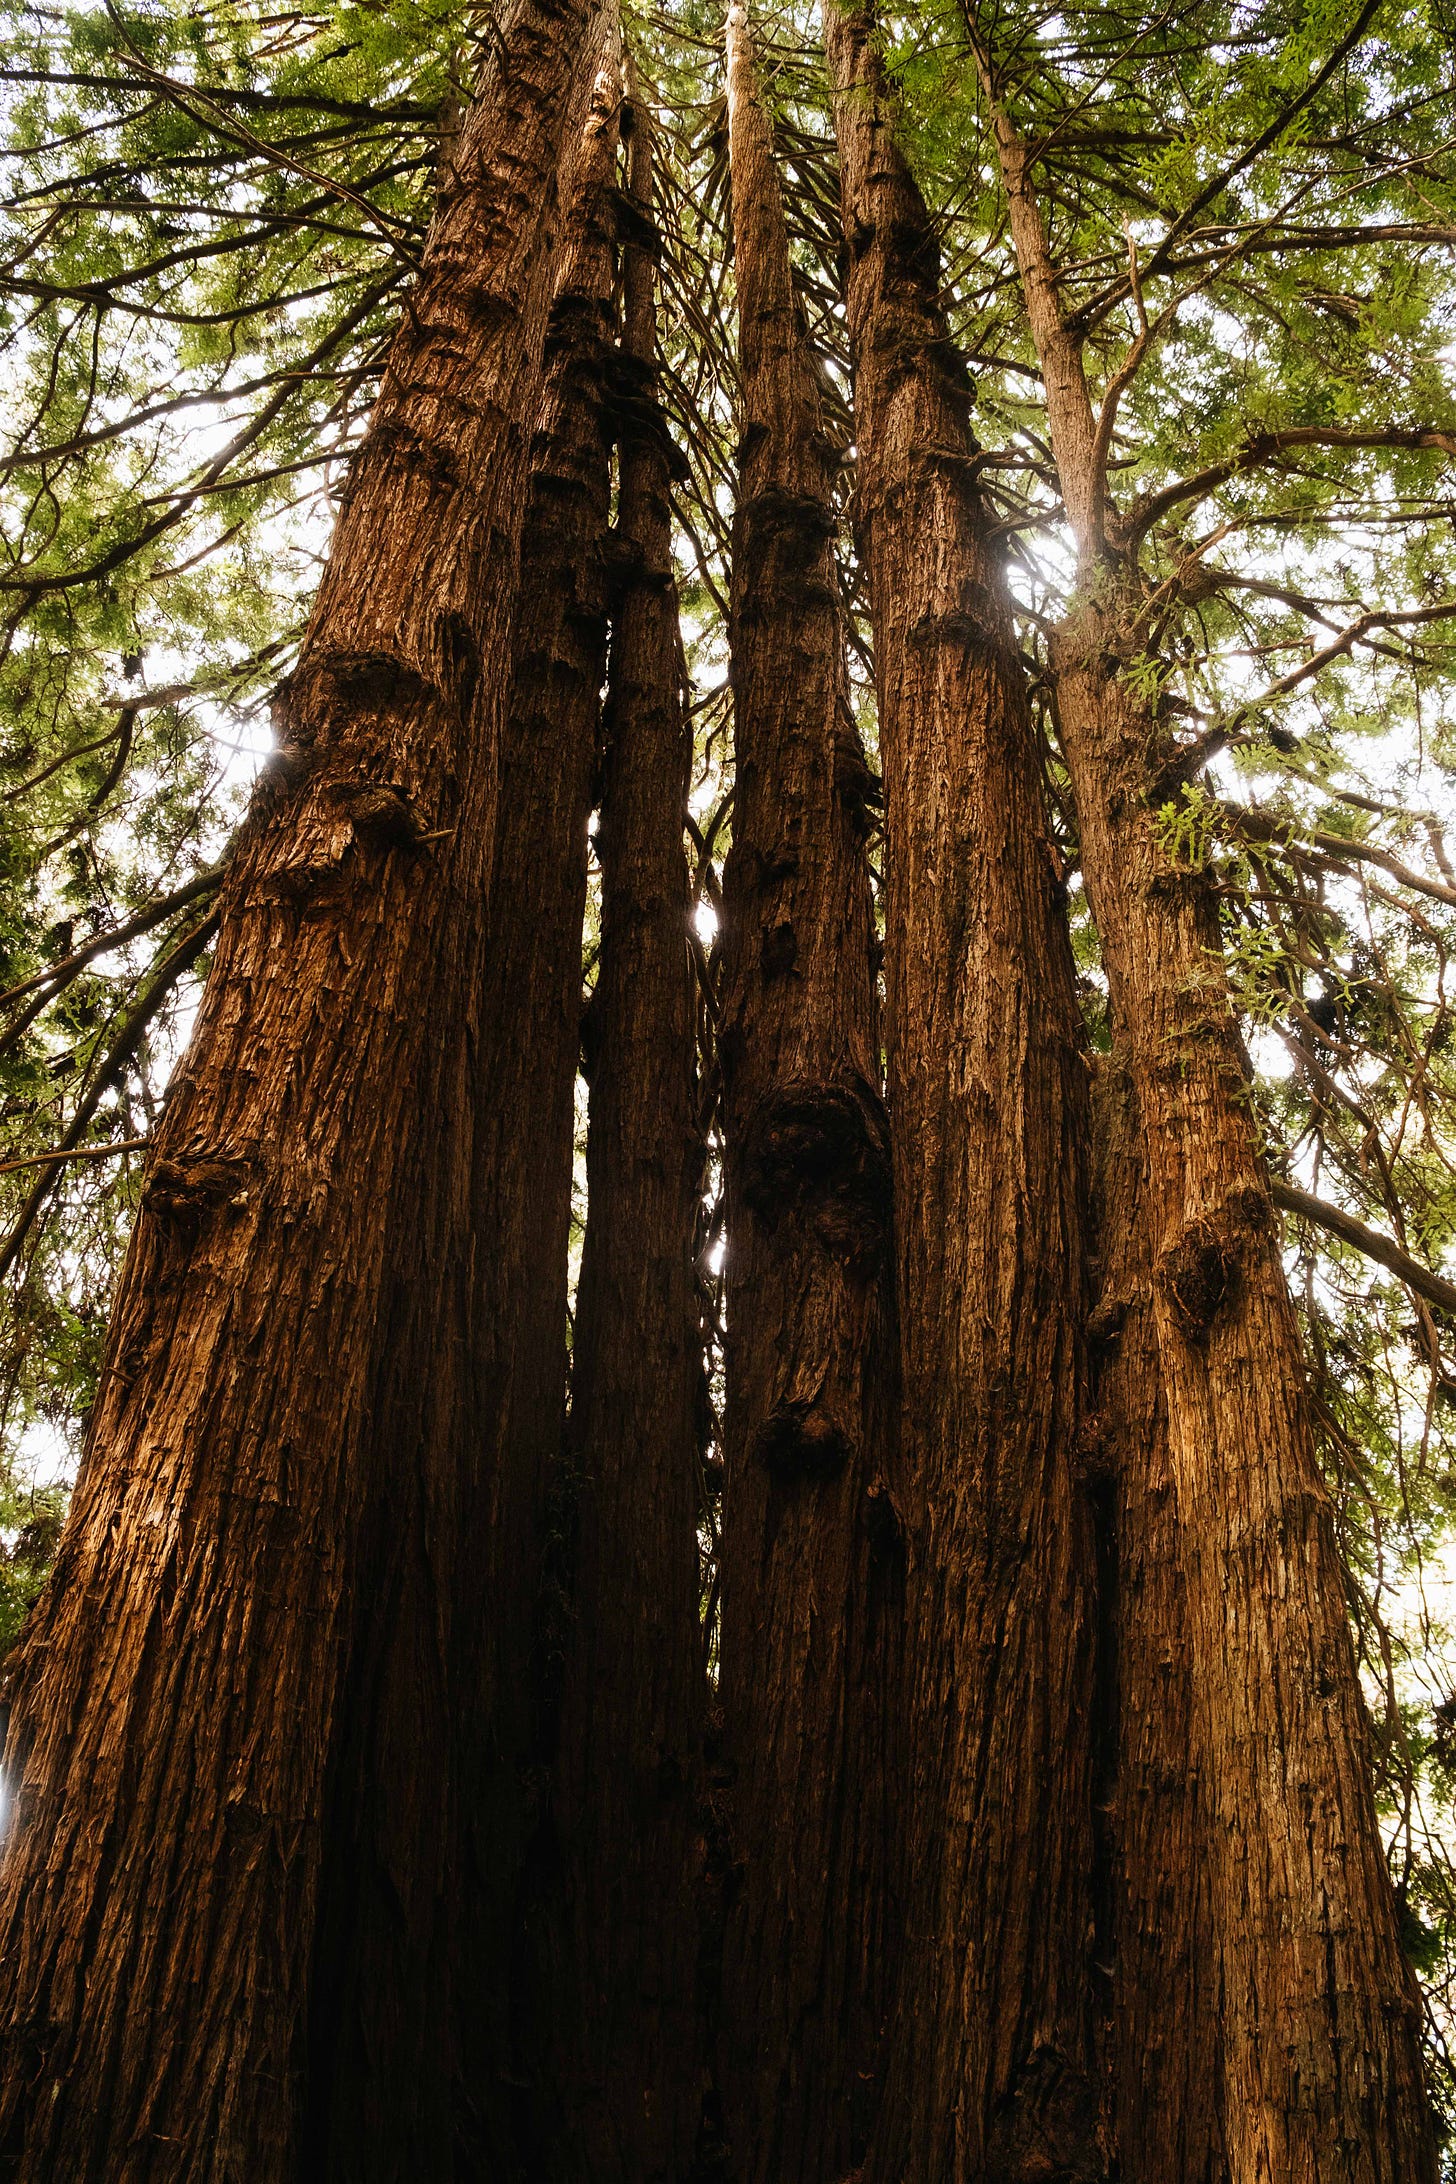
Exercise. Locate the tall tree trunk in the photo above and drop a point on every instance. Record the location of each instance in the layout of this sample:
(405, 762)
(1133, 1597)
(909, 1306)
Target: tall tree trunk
(283, 1462)
(1161, 1995)
(989, 2071)
(1321, 2050)
(632, 1700)
(527, 1071)
(811, 1573)
(523, 1100)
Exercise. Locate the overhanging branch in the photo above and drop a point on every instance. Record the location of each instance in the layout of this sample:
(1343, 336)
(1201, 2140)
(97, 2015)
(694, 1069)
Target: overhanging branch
(1383, 1249)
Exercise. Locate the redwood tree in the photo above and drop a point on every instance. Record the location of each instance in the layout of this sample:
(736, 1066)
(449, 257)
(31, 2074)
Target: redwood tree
(375, 1816)
(811, 1552)
(1158, 1994)
(280, 1559)
(1320, 2050)
(631, 1705)
(990, 2046)
(523, 1105)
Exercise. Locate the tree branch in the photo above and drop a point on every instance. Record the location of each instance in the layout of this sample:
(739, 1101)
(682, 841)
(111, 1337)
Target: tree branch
(77, 1152)
(1261, 828)
(1383, 1249)
(1261, 448)
(156, 913)
(120, 1053)
(1265, 140)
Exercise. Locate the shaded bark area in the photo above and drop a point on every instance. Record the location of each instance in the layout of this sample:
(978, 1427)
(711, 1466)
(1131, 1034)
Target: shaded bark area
(525, 1106)
(989, 2072)
(632, 1694)
(283, 1465)
(1321, 2058)
(811, 1559)
(1159, 1979)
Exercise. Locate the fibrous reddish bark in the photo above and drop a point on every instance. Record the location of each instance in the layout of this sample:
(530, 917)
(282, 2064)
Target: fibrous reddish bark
(811, 1567)
(1320, 2019)
(525, 1082)
(632, 1699)
(1158, 1978)
(989, 2064)
(273, 1584)
(1321, 2057)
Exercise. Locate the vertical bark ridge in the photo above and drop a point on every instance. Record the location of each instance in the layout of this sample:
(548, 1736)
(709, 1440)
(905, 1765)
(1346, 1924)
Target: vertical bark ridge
(1321, 2053)
(526, 1102)
(811, 1572)
(523, 1107)
(293, 1340)
(1161, 1993)
(632, 1698)
(989, 2071)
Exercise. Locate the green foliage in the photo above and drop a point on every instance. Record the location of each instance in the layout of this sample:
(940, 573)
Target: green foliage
(1186, 828)
(30, 1529)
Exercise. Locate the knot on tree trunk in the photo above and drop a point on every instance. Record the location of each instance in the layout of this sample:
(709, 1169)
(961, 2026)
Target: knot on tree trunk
(1201, 1269)
(632, 410)
(883, 1520)
(1093, 1450)
(624, 564)
(959, 628)
(819, 1155)
(858, 788)
(917, 350)
(800, 1440)
(381, 817)
(307, 885)
(282, 774)
(417, 453)
(373, 682)
(804, 519)
(182, 1192)
(633, 224)
(780, 540)
(1108, 1316)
